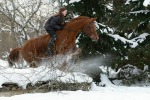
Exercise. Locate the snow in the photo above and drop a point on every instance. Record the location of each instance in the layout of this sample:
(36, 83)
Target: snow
(45, 72)
(3, 63)
(140, 11)
(42, 73)
(105, 81)
(109, 91)
(128, 1)
(72, 1)
(133, 42)
(140, 38)
(145, 3)
(98, 93)
(117, 37)
(109, 6)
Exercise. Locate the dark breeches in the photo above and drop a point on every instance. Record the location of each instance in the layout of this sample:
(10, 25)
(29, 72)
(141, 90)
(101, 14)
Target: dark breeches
(52, 33)
(51, 42)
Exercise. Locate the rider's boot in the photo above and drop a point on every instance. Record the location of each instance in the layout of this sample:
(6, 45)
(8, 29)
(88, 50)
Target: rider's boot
(50, 46)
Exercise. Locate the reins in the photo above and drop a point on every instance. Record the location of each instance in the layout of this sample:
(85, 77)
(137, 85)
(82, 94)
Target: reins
(88, 26)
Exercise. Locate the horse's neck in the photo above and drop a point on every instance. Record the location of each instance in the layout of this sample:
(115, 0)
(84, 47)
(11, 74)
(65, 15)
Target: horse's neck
(75, 26)
(71, 30)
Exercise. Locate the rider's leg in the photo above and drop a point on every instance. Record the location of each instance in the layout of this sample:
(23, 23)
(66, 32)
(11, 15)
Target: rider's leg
(51, 42)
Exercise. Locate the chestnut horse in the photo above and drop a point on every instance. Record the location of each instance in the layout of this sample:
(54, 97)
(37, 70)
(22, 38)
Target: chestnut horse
(35, 48)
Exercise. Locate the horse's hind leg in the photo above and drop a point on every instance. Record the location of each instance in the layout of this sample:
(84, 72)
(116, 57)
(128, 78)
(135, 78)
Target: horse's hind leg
(35, 63)
(21, 62)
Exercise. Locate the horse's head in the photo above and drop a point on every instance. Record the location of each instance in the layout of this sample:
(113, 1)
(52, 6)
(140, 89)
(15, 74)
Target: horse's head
(90, 29)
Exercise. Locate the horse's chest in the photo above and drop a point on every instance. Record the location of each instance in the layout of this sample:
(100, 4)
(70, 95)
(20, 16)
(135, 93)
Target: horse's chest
(64, 46)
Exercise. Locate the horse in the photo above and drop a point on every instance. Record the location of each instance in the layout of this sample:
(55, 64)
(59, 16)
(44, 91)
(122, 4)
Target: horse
(35, 48)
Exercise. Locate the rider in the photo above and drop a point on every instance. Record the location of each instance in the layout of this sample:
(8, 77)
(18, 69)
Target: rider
(54, 23)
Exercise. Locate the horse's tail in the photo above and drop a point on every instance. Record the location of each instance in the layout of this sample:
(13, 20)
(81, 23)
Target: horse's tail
(13, 56)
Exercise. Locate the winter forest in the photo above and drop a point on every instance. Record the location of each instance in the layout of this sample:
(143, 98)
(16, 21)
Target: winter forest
(118, 64)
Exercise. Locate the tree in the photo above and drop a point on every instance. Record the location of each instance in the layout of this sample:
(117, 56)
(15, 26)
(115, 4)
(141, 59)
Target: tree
(22, 21)
(128, 20)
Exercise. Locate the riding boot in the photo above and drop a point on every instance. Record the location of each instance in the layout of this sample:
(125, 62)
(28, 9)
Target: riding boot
(49, 49)
(50, 46)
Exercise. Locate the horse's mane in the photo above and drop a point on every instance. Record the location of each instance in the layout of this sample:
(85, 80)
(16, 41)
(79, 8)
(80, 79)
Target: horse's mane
(78, 18)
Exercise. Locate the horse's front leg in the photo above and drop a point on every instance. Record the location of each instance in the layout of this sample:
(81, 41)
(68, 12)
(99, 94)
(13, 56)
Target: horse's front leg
(77, 52)
(75, 55)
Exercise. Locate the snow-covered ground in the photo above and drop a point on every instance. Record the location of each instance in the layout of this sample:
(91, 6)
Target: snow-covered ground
(109, 92)
(97, 93)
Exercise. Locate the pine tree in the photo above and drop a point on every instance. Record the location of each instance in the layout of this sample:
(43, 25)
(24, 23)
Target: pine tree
(127, 20)
(133, 19)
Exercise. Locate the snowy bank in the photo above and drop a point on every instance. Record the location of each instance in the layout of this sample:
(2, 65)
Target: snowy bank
(32, 75)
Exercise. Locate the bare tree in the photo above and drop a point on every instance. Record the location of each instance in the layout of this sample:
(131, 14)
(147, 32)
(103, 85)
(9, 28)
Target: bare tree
(24, 19)
(17, 18)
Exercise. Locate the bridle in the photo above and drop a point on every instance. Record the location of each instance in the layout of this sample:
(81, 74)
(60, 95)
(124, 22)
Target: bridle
(88, 26)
